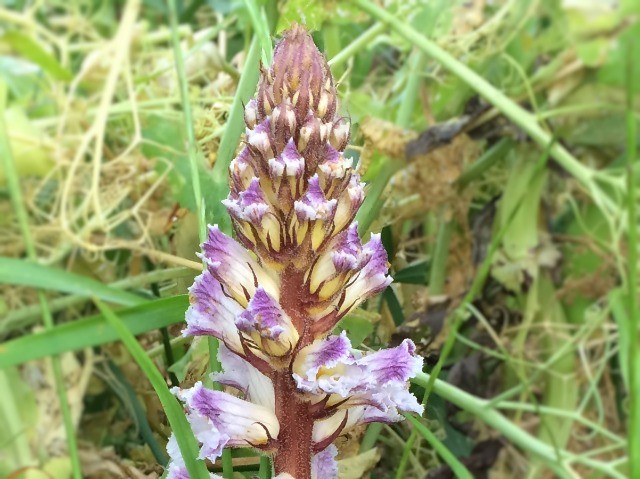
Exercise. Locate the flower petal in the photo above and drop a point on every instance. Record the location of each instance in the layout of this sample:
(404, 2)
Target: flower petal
(176, 468)
(265, 316)
(336, 165)
(326, 366)
(393, 364)
(250, 205)
(234, 267)
(289, 162)
(212, 313)
(314, 205)
(372, 278)
(324, 465)
(219, 419)
(240, 374)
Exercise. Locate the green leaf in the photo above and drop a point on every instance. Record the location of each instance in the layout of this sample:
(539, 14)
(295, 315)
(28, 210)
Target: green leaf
(172, 408)
(417, 273)
(92, 331)
(395, 307)
(28, 48)
(358, 326)
(313, 13)
(26, 273)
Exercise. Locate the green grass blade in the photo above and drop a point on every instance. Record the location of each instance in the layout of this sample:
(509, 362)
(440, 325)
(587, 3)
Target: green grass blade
(633, 356)
(192, 145)
(559, 461)
(172, 408)
(27, 315)
(28, 48)
(28, 273)
(261, 28)
(460, 471)
(231, 136)
(92, 331)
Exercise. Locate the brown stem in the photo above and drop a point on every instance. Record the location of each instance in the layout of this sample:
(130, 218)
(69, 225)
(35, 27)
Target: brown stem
(294, 451)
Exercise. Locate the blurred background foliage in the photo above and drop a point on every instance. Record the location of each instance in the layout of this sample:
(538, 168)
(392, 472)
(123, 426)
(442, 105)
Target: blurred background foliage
(507, 210)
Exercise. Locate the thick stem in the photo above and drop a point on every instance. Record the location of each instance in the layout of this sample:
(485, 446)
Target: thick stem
(294, 452)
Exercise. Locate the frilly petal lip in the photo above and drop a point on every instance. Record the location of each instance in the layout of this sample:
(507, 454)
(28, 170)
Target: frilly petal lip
(314, 205)
(250, 205)
(264, 315)
(219, 419)
(212, 313)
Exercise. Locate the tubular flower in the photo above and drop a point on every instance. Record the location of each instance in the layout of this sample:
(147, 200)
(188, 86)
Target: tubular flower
(274, 296)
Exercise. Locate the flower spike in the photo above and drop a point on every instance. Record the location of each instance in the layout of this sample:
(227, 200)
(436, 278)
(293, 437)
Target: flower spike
(274, 296)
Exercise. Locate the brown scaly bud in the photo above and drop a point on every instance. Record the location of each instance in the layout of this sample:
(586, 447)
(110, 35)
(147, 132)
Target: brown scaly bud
(292, 189)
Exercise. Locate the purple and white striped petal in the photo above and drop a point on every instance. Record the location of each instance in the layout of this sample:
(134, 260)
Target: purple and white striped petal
(314, 205)
(397, 364)
(343, 256)
(234, 267)
(372, 278)
(265, 316)
(250, 205)
(176, 468)
(346, 254)
(336, 165)
(349, 203)
(241, 170)
(258, 137)
(251, 113)
(289, 162)
(324, 465)
(212, 313)
(327, 366)
(219, 420)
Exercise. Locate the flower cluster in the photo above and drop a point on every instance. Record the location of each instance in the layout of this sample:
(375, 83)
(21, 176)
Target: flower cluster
(298, 267)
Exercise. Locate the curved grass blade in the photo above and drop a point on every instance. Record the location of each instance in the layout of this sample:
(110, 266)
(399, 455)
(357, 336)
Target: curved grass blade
(173, 410)
(456, 466)
(93, 331)
(27, 273)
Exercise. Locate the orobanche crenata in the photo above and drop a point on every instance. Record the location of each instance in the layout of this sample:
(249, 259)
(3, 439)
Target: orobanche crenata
(274, 295)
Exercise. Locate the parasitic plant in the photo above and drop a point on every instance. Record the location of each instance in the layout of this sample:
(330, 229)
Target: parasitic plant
(274, 296)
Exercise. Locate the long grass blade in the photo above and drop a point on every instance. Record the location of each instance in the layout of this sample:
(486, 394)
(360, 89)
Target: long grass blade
(92, 331)
(29, 273)
(460, 471)
(173, 410)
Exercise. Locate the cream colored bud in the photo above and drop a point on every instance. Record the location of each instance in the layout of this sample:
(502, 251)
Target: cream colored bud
(323, 104)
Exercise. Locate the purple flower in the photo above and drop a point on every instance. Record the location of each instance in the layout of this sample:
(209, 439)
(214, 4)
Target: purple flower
(250, 205)
(219, 419)
(177, 468)
(212, 313)
(287, 163)
(233, 267)
(274, 296)
(314, 205)
(372, 278)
